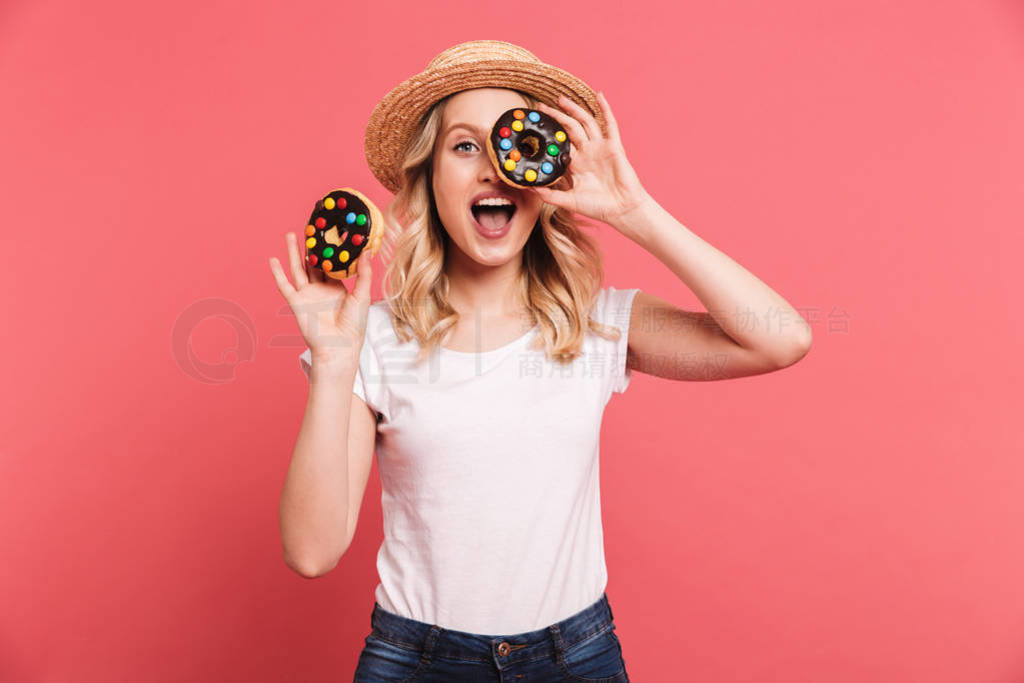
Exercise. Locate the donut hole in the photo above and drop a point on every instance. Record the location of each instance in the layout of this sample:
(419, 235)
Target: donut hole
(529, 145)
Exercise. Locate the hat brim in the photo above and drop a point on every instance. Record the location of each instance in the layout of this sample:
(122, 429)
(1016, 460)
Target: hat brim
(395, 118)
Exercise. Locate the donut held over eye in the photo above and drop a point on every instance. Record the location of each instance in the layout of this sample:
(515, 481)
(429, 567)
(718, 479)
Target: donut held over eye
(528, 148)
(344, 227)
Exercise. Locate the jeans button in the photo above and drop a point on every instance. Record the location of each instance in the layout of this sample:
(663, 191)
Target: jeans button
(504, 648)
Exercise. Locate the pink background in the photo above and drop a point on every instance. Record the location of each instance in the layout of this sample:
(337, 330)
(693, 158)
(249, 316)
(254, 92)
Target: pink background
(856, 517)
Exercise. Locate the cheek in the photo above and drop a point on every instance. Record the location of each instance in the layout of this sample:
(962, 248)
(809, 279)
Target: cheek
(532, 212)
(448, 203)
(447, 192)
(443, 196)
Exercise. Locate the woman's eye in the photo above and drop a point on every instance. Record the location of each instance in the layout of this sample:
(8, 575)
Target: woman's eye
(464, 142)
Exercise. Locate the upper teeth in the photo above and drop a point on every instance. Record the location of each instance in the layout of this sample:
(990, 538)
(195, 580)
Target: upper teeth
(493, 201)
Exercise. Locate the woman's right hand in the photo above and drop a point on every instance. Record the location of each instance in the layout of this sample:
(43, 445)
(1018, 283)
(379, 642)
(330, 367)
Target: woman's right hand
(331, 319)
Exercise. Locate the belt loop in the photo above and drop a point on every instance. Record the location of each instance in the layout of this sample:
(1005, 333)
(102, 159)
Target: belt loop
(430, 642)
(556, 636)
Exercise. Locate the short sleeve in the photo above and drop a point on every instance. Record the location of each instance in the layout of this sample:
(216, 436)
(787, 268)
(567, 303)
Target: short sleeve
(614, 307)
(368, 384)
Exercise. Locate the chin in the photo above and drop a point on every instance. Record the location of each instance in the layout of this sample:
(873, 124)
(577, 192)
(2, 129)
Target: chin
(491, 252)
(494, 254)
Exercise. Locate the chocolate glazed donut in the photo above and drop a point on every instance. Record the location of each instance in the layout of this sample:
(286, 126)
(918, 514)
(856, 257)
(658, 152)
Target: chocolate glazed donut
(344, 225)
(529, 148)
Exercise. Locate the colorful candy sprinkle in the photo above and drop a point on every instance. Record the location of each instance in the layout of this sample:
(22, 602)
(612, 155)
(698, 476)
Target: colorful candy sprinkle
(343, 256)
(327, 265)
(357, 239)
(517, 125)
(504, 131)
(560, 135)
(361, 220)
(329, 203)
(534, 116)
(312, 259)
(328, 252)
(342, 203)
(310, 230)
(510, 165)
(310, 243)
(320, 222)
(515, 155)
(505, 143)
(530, 175)
(518, 113)
(553, 150)
(350, 217)
(547, 167)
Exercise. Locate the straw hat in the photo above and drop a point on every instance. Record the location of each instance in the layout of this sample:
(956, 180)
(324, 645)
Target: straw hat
(473, 64)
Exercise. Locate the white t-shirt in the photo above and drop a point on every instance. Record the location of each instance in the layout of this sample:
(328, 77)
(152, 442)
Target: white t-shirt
(489, 474)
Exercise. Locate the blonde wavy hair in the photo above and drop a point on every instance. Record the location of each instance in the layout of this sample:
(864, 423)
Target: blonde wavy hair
(560, 278)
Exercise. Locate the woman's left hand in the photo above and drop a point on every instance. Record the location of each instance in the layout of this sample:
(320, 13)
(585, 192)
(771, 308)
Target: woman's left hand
(604, 185)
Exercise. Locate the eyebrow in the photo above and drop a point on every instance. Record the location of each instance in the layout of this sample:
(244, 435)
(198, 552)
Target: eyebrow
(467, 126)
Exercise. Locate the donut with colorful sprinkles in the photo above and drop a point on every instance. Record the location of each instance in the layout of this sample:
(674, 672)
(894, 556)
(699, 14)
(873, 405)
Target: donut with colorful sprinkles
(344, 226)
(528, 148)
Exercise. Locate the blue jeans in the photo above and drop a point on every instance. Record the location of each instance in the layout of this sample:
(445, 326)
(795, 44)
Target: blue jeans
(583, 647)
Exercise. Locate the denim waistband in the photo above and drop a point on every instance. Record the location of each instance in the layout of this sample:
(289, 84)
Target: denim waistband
(434, 641)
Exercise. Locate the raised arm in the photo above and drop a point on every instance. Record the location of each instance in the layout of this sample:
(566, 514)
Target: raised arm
(329, 465)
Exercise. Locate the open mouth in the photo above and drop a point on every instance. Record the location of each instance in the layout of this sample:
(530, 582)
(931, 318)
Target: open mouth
(493, 217)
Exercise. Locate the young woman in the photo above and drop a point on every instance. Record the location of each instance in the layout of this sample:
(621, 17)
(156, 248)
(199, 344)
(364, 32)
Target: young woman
(481, 378)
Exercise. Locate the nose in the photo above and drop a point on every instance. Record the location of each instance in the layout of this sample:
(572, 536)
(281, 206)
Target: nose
(487, 171)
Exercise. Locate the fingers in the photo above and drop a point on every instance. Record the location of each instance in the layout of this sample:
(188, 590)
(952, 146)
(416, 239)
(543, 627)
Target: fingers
(285, 287)
(560, 198)
(613, 126)
(589, 122)
(364, 276)
(577, 135)
(360, 291)
(298, 271)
